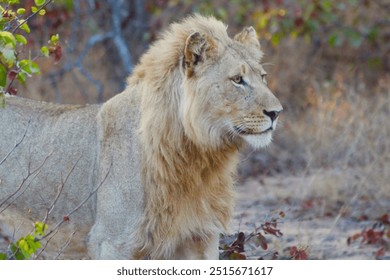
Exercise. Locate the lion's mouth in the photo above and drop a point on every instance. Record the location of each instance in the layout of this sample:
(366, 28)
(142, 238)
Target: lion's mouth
(242, 131)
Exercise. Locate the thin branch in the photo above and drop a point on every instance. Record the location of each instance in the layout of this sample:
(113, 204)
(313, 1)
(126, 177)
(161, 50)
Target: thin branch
(65, 245)
(30, 16)
(66, 217)
(118, 38)
(59, 191)
(47, 243)
(33, 173)
(17, 144)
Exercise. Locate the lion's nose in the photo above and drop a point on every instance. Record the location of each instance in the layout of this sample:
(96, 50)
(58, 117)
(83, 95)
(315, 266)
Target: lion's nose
(272, 114)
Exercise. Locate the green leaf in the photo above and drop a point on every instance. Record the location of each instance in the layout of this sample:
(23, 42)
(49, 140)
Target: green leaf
(34, 9)
(42, 12)
(45, 51)
(29, 66)
(335, 39)
(40, 228)
(12, 2)
(16, 251)
(39, 2)
(68, 5)
(23, 245)
(373, 34)
(326, 5)
(3, 256)
(24, 26)
(20, 11)
(275, 39)
(3, 76)
(8, 55)
(21, 78)
(21, 39)
(54, 38)
(7, 37)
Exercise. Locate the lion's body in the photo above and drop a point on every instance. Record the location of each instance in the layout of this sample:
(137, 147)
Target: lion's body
(161, 154)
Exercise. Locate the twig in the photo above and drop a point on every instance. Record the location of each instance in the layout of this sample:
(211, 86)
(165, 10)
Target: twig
(34, 173)
(118, 38)
(47, 243)
(59, 191)
(17, 144)
(65, 245)
(66, 217)
(30, 16)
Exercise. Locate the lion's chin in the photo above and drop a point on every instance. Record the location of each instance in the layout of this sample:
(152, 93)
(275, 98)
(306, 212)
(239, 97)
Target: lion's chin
(258, 141)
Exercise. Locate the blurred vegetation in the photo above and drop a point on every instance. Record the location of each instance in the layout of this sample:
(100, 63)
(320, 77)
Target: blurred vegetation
(15, 64)
(350, 22)
(357, 24)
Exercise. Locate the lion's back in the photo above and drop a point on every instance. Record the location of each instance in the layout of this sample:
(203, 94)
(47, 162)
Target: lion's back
(44, 146)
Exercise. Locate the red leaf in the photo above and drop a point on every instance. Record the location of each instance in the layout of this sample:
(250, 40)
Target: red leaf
(298, 254)
(293, 250)
(12, 74)
(372, 237)
(353, 238)
(385, 219)
(270, 228)
(238, 244)
(66, 218)
(262, 241)
(298, 22)
(57, 53)
(12, 91)
(380, 253)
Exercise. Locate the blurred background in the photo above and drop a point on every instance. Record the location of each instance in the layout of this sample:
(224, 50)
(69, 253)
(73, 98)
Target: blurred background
(327, 61)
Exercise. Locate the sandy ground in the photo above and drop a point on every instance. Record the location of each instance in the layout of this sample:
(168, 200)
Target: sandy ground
(320, 212)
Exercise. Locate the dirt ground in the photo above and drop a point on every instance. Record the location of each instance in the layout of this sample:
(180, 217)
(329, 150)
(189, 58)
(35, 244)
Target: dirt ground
(321, 211)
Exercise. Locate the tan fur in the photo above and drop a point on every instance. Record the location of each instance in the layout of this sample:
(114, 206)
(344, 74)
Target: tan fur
(169, 144)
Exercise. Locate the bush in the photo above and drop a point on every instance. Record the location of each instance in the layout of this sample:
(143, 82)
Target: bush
(15, 65)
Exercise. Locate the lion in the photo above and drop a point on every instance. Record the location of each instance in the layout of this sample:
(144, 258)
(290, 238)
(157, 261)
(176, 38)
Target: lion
(150, 172)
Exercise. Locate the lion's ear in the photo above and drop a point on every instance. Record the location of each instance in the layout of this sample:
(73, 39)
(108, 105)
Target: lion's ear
(197, 49)
(248, 36)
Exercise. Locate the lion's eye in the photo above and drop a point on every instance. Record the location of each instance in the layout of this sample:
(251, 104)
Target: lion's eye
(238, 80)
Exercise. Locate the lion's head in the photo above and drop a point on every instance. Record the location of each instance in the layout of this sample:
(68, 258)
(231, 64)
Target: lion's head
(226, 99)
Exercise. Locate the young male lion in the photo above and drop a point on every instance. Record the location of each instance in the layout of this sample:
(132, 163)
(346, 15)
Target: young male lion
(160, 155)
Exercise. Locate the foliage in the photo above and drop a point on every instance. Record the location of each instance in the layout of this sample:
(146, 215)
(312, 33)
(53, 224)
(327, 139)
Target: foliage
(26, 247)
(14, 26)
(235, 249)
(378, 234)
(15, 65)
(337, 21)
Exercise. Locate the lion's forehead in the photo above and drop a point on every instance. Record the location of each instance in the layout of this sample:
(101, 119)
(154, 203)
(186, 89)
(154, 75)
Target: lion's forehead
(235, 55)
